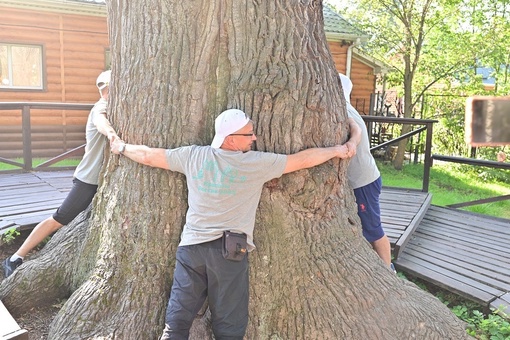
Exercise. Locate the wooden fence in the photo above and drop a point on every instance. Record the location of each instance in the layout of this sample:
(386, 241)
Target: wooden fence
(421, 124)
(30, 136)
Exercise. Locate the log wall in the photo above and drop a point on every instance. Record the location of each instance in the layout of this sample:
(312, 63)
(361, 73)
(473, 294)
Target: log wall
(362, 77)
(74, 53)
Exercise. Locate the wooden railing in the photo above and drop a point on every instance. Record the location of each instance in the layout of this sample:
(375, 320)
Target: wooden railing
(429, 158)
(475, 162)
(425, 125)
(26, 131)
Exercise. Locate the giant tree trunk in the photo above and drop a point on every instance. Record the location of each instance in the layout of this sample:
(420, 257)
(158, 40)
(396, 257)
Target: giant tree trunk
(176, 65)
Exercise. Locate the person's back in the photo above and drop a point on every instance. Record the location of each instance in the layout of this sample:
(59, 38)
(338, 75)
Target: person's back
(224, 182)
(365, 179)
(85, 181)
(362, 168)
(90, 165)
(224, 189)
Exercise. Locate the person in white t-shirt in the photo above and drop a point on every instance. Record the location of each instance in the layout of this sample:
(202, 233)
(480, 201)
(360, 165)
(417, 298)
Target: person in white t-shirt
(365, 178)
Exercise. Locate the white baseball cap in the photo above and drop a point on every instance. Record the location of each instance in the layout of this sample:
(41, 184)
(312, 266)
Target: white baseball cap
(229, 121)
(346, 86)
(103, 80)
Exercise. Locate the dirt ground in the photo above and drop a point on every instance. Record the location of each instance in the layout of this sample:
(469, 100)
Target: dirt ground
(37, 320)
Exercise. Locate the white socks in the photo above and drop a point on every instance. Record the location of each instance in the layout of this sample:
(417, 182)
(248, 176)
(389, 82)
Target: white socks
(15, 257)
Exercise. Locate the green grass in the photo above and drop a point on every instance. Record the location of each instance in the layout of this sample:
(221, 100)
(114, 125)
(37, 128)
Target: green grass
(451, 183)
(481, 324)
(36, 161)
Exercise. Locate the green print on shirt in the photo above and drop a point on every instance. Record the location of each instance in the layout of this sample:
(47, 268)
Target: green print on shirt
(211, 180)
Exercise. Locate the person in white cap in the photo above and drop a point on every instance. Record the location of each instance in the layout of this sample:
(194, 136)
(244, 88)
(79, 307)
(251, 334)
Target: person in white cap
(85, 181)
(224, 181)
(365, 178)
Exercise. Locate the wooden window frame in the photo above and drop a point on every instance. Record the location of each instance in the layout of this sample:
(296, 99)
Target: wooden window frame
(9, 87)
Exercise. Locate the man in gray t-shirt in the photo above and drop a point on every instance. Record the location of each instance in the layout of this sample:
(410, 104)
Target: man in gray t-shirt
(86, 177)
(224, 183)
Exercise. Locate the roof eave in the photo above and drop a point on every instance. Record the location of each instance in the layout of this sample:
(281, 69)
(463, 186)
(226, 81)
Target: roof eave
(339, 37)
(58, 6)
(378, 66)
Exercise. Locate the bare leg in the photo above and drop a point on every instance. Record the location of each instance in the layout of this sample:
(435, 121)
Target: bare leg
(40, 232)
(383, 248)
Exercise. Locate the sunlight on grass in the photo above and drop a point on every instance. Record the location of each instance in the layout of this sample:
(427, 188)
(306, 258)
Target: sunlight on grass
(450, 184)
(36, 161)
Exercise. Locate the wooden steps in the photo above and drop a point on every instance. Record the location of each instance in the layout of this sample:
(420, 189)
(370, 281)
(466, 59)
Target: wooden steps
(9, 328)
(401, 212)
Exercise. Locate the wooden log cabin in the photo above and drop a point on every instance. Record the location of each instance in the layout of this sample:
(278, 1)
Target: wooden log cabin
(53, 50)
(363, 70)
(50, 51)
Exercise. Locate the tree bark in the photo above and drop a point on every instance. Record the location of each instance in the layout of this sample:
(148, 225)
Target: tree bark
(51, 273)
(176, 65)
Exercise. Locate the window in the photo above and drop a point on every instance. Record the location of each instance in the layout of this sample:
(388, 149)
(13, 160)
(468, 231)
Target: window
(21, 66)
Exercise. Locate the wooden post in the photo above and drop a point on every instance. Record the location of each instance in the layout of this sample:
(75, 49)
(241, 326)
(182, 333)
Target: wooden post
(427, 163)
(27, 138)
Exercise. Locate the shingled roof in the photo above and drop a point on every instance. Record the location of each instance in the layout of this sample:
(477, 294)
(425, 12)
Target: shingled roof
(337, 28)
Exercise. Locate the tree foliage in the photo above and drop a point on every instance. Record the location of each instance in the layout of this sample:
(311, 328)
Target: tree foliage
(434, 47)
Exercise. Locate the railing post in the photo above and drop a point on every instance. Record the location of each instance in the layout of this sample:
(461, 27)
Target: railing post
(427, 163)
(27, 138)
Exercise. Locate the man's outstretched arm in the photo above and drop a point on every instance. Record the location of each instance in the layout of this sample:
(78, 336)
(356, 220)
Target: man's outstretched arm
(311, 157)
(354, 136)
(154, 157)
(104, 126)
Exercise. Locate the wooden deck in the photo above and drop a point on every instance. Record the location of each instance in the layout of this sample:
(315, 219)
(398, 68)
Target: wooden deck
(9, 328)
(28, 198)
(462, 252)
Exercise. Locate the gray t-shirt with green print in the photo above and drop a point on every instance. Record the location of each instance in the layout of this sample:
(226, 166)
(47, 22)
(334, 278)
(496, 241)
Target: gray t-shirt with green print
(224, 189)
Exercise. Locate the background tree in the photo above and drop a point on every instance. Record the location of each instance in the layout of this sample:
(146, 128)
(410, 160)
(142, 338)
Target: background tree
(490, 29)
(434, 47)
(176, 65)
(485, 26)
(405, 31)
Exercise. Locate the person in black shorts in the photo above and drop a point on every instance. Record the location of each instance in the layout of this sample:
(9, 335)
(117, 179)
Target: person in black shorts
(86, 177)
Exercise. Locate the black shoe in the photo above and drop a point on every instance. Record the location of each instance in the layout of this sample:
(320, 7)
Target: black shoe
(392, 267)
(10, 266)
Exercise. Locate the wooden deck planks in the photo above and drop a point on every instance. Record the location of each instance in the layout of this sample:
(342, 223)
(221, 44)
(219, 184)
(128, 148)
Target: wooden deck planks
(422, 269)
(478, 257)
(502, 303)
(28, 198)
(401, 212)
(9, 328)
(462, 252)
